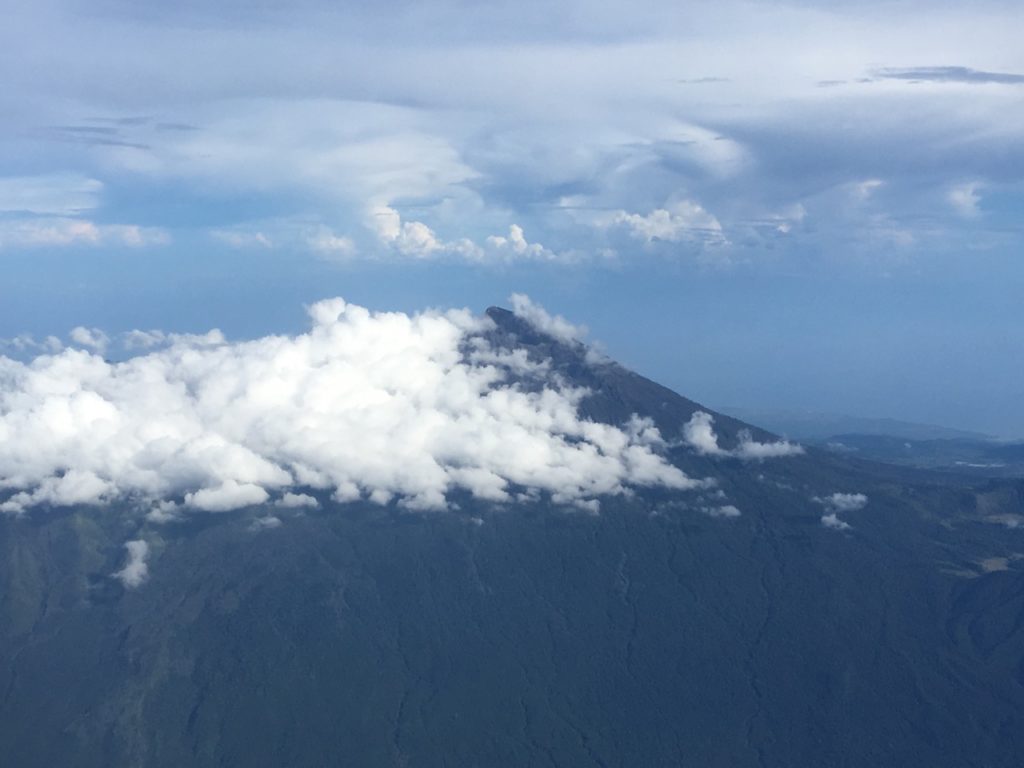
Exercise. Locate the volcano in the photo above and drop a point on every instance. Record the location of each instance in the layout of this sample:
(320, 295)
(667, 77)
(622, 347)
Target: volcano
(790, 607)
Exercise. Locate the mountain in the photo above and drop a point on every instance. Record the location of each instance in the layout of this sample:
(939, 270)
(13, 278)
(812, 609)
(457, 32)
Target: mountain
(804, 609)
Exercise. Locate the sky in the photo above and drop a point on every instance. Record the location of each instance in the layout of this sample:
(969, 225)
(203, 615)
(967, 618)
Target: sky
(776, 206)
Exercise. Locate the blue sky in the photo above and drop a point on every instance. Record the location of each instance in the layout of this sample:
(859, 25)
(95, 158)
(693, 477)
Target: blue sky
(805, 205)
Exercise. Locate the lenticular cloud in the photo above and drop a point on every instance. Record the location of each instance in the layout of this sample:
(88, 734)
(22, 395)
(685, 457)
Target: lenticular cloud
(376, 406)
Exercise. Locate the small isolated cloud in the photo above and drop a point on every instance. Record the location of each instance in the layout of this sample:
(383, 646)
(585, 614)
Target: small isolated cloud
(726, 510)
(235, 238)
(749, 448)
(831, 520)
(948, 75)
(843, 502)
(297, 501)
(699, 433)
(415, 239)
(553, 325)
(93, 338)
(376, 406)
(327, 244)
(965, 198)
(682, 221)
(862, 191)
(135, 570)
(516, 246)
(230, 494)
(409, 238)
(840, 502)
(58, 231)
(265, 523)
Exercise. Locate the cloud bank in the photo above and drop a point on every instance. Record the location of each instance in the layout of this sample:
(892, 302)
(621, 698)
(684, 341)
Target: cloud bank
(378, 406)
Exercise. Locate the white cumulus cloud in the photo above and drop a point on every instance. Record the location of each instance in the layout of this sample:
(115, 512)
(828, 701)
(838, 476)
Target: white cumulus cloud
(699, 433)
(378, 406)
(297, 501)
(417, 240)
(684, 220)
(726, 510)
(840, 502)
(831, 520)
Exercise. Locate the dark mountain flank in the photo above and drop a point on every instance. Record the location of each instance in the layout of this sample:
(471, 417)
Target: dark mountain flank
(664, 631)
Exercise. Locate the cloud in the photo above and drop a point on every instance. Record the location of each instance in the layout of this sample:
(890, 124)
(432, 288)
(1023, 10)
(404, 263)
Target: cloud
(726, 510)
(135, 570)
(947, 75)
(297, 501)
(553, 325)
(504, 118)
(749, 448)
(832, 521)
(60, 231)
(843, 502)
(136, 339)
(26, 342)
(685, 220)
(417, 240)
(93, 338)
(266, 523)
(516, 246)
(241, 239)
(330, 245)
(840, 502)
(61, 194)
(699, 433)
(410, 238)
(378, 406)
(230, 494)
(862, 191)
(965, 198)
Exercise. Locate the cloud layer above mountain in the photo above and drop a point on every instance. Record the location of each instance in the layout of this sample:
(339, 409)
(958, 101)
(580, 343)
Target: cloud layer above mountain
(378, 406)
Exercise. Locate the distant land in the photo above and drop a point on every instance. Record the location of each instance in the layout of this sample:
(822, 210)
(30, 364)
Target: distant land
(904, 443)
(816, 425)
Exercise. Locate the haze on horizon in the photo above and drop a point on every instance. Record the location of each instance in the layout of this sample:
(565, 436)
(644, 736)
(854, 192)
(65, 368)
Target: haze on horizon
(791, 206)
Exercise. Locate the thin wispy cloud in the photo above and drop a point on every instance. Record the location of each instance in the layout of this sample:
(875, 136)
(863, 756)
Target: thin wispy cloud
(948, 74)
